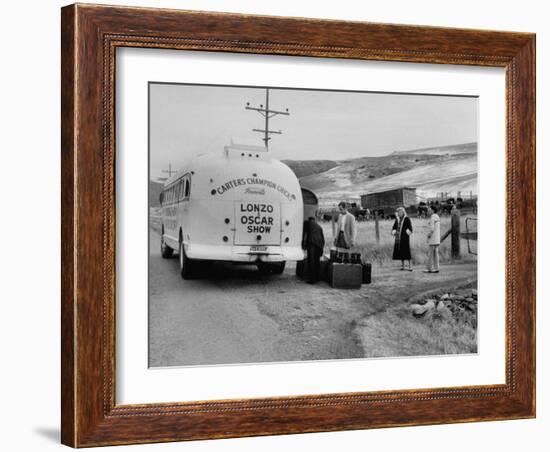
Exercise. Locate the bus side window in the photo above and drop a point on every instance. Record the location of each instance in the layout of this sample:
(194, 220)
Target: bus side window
(187, 187)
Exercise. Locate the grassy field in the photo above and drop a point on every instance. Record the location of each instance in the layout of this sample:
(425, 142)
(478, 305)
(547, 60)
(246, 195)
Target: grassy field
(398, 334)
(381, 253)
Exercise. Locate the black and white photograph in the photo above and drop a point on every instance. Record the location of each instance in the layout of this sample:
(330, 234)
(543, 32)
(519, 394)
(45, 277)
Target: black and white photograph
(292, 224)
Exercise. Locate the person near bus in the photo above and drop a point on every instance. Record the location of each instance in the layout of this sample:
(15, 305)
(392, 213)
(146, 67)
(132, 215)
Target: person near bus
(434, 240)
(402, 230)
(313, 242)
(346, 229)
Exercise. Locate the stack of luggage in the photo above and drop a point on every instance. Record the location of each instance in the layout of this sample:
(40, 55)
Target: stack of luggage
(346, 270)
(342, 270)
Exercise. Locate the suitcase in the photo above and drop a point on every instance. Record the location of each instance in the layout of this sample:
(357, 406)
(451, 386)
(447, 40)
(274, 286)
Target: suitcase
(367, 272)
(324, 269)
(303, 273)
(301, 269)
(346, 276)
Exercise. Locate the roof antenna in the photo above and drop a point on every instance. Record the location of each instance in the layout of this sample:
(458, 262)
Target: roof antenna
(267, 113)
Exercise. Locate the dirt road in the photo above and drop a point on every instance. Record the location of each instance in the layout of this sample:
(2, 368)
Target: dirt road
(235, 315)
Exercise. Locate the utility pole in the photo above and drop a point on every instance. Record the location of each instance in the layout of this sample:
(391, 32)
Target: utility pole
(169, 170)
(267, 114)
(377, 228)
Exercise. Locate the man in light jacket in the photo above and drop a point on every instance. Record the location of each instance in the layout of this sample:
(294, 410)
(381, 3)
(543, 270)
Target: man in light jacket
(434, 239)
(346, 229)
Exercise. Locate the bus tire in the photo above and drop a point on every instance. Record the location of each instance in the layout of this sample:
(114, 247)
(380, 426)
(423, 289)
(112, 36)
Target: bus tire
(186, 264)
(271, 268)
(263, 268)
(277, 268)
(165, 251)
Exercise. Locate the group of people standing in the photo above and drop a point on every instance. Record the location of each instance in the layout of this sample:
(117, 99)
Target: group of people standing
(402, 230)
(313, 241)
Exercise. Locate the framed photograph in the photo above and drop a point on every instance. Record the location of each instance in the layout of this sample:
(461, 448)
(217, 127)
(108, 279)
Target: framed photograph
(281, 225)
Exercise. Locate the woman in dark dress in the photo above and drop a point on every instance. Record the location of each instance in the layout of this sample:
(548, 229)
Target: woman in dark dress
(401, 230)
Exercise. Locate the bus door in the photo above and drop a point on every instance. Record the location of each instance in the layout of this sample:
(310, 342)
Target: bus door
(257, 223)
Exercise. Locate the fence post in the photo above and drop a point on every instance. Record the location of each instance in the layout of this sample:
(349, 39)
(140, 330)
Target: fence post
(455, 234)
(376, 229)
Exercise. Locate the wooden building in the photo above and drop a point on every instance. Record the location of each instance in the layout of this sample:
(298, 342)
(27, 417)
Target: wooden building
(385, 202)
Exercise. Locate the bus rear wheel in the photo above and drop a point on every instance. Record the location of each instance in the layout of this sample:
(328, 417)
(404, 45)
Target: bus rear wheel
(186, 264)
(271, 268)
(165, 251)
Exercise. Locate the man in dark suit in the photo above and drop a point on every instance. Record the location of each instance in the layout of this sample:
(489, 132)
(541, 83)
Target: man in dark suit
(313, 242)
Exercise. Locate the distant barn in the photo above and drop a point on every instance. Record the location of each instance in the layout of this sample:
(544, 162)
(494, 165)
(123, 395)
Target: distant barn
(385, 202)
(311, 203)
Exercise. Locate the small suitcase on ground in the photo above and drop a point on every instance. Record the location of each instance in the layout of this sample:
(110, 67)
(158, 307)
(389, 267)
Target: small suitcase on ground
(301, 269)
(367, 271)
(324, 270)
(346, 276)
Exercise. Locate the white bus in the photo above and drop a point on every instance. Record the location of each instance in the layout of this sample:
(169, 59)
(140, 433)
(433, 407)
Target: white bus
(238, 206)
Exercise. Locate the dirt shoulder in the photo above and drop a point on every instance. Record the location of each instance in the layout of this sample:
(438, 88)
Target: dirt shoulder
(394, 331)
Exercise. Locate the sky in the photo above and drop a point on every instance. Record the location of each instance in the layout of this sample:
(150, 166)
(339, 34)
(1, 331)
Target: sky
(187, 120)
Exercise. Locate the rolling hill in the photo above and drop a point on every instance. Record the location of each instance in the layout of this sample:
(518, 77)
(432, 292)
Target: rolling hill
(303, 168)
(454, 149)
(430, 171)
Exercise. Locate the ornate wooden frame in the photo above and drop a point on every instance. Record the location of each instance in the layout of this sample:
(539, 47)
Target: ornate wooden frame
(90, 35)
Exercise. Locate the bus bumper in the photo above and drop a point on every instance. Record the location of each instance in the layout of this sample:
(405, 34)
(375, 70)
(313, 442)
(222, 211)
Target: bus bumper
(243, 253)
